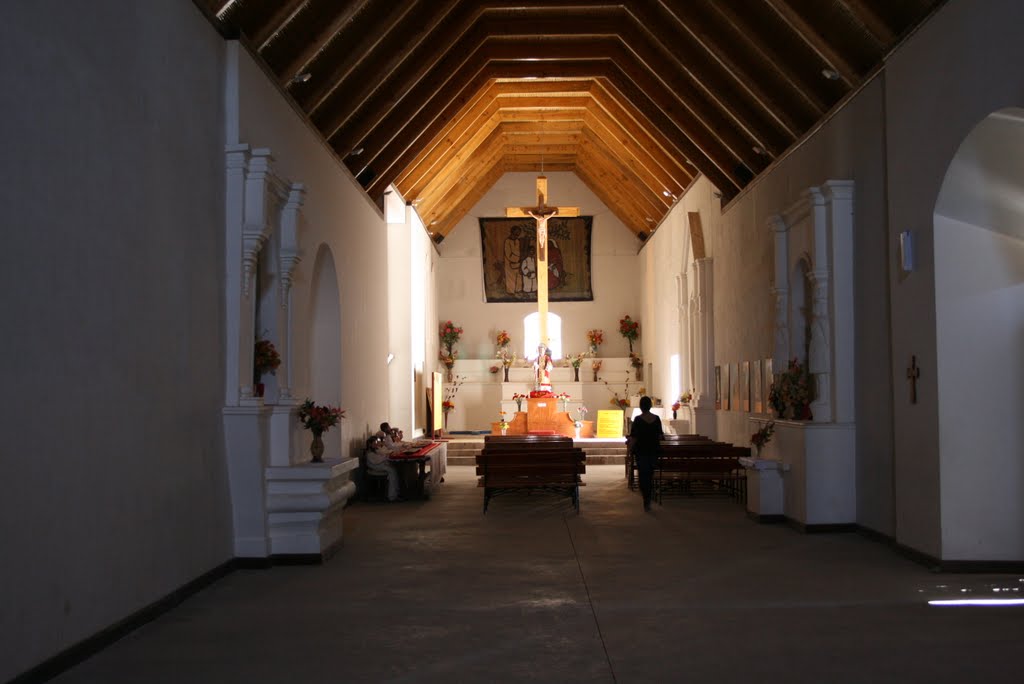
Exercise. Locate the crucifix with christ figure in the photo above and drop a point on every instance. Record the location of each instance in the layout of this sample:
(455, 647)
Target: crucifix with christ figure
(541, 213)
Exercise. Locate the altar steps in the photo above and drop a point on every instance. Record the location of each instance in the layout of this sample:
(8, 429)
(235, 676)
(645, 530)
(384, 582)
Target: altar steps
(463, 450)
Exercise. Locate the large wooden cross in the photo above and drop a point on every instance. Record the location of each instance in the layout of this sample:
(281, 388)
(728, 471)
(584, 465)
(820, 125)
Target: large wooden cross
(541, 213)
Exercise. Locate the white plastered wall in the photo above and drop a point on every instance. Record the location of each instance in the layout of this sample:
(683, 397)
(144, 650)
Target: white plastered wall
(115, 487)
(336, 212)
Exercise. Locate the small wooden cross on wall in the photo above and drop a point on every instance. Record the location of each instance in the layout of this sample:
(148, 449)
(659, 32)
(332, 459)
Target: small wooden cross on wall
(913, 373)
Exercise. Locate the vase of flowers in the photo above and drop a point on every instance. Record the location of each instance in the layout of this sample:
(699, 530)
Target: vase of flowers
(563, 400)
(318, 420)
(507, 359)
(581, 413)
(448, 359)
(595, 338)
(502, 339)
(790, 395)
(518, 398)
(762, 437)
(595, 366)
(503, 424)
(675, 409)
(629, 329)
(575, 360)
(638, 365)
(447, 406)
(265, 360)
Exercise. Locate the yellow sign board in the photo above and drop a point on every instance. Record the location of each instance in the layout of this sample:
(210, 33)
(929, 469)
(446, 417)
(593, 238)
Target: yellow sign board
(609, 424)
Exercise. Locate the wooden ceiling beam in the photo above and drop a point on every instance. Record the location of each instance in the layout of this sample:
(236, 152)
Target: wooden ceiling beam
(865, 15)
(621, 179)
(640, 167)
(455, 173)
(658, 104)
(815, 41)
(446, 138)
(740, 32)
(473, 195)
(342, 17)
(285, 12)
(438, 205)
(621, 207)
(467, 124)
(696, 50)
(613, 113)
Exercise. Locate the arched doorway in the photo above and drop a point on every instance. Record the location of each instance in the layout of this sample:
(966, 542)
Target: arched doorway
(325, 343)
(979, 303)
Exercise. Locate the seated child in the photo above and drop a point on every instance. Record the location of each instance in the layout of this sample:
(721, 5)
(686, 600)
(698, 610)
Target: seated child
(377, 462)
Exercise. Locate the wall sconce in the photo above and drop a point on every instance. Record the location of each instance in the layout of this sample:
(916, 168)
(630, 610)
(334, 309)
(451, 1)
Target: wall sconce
(907, 251)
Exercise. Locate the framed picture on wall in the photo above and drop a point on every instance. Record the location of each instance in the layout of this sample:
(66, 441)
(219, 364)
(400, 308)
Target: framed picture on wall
(718, 387)
(726, 387)
(745, 386)
(734, 387)
(769, 378)
(756, 383)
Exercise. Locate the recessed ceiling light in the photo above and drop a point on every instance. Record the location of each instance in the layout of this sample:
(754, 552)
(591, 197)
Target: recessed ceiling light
(302, 78)
(649, 219)
(759, 150)
(830, 74)
(666, 193)
(356, 152)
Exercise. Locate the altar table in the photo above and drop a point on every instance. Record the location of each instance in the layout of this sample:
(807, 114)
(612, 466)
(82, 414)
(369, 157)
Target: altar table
(411, 464)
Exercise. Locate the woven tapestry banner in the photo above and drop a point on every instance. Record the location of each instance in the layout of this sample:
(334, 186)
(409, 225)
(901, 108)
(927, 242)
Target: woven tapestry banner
(510, 259)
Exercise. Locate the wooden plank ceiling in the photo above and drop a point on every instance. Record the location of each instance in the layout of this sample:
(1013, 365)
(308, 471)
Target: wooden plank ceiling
(441, 97)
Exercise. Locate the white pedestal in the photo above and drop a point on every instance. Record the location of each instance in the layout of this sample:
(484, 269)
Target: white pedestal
(304, 506)
(819, 471)
(764, 488)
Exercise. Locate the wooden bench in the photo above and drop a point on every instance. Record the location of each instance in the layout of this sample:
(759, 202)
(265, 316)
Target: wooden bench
(631, 480)
(715, 464)
(508, 464)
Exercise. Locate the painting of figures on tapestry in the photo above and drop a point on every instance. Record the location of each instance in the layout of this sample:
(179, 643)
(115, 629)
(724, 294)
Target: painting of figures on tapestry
(509, 249)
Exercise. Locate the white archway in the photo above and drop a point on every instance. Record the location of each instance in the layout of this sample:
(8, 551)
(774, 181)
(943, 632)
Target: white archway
(979, 305)
(325, 343)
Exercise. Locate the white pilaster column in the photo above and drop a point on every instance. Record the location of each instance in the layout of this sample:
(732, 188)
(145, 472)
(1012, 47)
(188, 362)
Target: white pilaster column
(234, 216)
(780, 292)
(840, 220)
(819, 362)
(288, 259)
(704, 354)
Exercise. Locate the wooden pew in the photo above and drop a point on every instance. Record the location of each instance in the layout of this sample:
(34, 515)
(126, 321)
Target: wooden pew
(631, 480)
(509, 464)
(715, 463)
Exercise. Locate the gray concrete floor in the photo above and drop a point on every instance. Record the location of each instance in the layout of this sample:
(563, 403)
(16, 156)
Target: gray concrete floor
(693, 592)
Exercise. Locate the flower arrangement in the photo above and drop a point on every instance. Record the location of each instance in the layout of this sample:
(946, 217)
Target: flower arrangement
(564, 398)
(635, 360)
(448, 358)
(450, 334)
(265, 358)
(518, 398)
(596, 364)
(502, 338)
(618, 403)
(507, 357)
(595, 338)
(629, 329)
(675, 407)
(447, 405)
(575, 360)
(686, 397)
(494, 369)
(319, 419)
(502, 422)
(581, 413)
(763, 435)
(790, 395)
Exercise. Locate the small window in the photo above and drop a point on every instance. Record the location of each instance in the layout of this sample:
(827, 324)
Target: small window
(531, 335)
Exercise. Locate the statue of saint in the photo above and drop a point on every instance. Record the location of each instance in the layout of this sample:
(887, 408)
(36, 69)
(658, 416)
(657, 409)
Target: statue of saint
(542, 368)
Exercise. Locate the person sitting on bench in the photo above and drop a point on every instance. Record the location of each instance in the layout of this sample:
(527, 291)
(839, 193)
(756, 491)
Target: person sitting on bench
(377, 462)
(392, 436)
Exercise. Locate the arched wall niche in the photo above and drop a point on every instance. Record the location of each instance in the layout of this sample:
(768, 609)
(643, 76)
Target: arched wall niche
(324, 371)
(979, 306)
